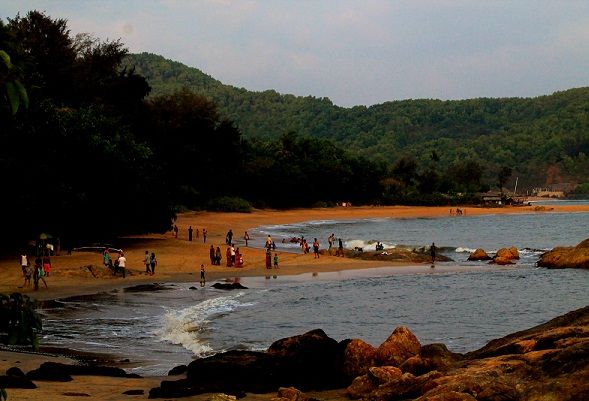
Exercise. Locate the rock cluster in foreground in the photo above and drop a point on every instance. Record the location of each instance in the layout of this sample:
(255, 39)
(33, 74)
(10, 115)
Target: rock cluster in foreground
(547, 362)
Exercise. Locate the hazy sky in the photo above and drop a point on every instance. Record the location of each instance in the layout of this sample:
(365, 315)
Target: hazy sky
(354, 52)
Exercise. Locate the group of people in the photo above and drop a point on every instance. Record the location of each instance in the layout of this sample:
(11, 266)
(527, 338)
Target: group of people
(38, 272)
(191, 231)
(458, 212)
(150, 263)
(119, 264)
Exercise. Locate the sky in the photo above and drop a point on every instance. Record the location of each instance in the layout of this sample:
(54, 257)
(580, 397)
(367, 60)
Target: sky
(360, 52)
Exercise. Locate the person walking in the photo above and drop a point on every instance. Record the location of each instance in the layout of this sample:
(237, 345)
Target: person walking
(190, 233)
(153, 263)
(147, 261)
(432, 252)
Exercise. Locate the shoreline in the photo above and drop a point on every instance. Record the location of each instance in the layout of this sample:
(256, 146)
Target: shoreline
(178, 261)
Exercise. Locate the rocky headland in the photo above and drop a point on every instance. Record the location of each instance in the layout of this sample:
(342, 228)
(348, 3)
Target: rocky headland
(563, 257)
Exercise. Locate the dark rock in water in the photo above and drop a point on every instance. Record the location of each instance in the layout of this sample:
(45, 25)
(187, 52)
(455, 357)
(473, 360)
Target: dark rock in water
(74, 394)
(134, 392)
(52, 371)
(567, 257)
(15, 372)
(177, 370)
(192, 288)
(398, 254)
(147, 288)
(229, 286)
(16, 382)
(311, 361)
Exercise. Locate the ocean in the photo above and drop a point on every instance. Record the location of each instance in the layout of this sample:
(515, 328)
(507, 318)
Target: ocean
(462, 304)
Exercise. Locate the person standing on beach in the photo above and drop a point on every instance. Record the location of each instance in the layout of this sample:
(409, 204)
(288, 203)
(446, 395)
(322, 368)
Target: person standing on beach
(218, 256)
(175, 229)
(340, 247)
(276, 261)
(202, 275)
(122, 263)
(315, 249)
(228, 257)
(153, 263)
(197, 233)
(268, 259)
(432, 252)
(204, 235)
(46, 265)
(147, 263)
(233, 254)
(212, 254)
(24, 262)
(190, 233)
(246, 237)
(229, 237)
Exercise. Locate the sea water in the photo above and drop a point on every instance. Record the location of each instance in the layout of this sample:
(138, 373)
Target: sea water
(461, 304)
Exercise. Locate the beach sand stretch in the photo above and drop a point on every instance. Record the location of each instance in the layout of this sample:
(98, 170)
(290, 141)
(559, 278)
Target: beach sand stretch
(179, 260)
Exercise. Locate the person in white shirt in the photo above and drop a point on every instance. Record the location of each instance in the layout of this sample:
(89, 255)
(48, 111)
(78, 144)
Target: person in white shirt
(122, 263)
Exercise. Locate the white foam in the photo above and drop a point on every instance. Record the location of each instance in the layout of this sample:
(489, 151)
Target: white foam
(461, 249)
(183, 326)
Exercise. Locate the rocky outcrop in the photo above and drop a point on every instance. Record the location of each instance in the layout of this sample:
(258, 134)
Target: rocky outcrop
(421, 255)
(229, 286)
(400, 346)
(53, 371)
(547, 362)
(479, 254)
(567, 257)
(506, 256)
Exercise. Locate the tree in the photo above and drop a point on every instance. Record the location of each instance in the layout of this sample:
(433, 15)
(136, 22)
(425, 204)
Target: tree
(502, 177)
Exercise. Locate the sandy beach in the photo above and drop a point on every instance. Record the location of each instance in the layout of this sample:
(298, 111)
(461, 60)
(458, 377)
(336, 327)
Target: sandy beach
(179, 260)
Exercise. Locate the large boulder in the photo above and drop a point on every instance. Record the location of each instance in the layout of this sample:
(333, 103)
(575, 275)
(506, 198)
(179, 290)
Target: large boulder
(567, 257)
(359, 356)
(508, 253)
(479, 254)
(431, 357)
(311, 361)
(400, 346)
(497, 260)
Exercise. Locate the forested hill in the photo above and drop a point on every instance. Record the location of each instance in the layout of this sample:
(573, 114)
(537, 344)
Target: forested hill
(545, 139)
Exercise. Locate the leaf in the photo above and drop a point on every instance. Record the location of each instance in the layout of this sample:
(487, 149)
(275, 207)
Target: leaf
(6, 58)
(22, 92)
(13, 97)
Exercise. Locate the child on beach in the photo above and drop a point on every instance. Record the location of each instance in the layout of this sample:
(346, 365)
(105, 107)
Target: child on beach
(276, 261)
(202, 275)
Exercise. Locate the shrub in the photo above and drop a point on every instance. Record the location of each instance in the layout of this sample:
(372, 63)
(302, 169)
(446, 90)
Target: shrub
(19, 320)
(229, 204)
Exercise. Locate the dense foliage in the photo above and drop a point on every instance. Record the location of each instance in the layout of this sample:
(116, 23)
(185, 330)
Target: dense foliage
(19, 321)
(545, 140)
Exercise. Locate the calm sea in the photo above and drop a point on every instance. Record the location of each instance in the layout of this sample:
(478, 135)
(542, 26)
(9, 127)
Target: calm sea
(461, 304)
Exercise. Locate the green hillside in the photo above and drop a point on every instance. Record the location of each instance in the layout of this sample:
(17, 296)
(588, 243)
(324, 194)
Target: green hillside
(545, 139)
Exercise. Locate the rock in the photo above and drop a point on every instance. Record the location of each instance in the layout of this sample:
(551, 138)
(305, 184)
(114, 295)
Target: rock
(358, 357)
(567, 257)
(405, 387)
(52, 371)
(400, 346)
(311, 361)
(292, 394)
(508, 253)
(448, 396)
(360, 387)
(75, 394)
(147, 288)
(431, 357)
(15, 372)
(16, 382)
(229, 286)
(479, 254)
(134, 392)
(384, 374)
(501, 261)
(177, 370)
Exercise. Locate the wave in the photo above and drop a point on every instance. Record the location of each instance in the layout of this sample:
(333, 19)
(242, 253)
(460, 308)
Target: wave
(184, 326)
(366, 245)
